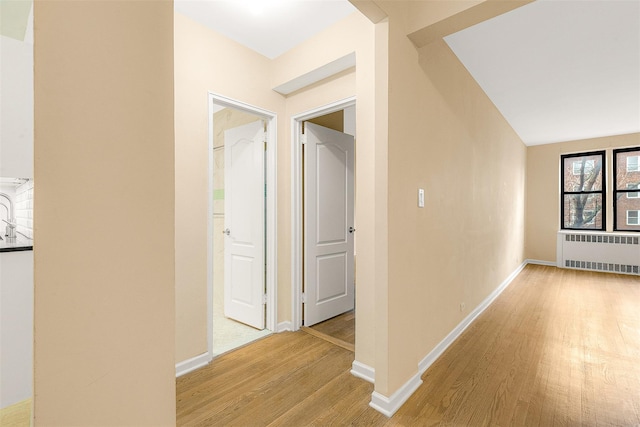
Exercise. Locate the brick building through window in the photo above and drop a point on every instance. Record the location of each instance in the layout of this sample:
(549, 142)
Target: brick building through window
(627, 178)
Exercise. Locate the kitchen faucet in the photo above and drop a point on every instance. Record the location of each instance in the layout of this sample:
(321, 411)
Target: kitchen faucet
(11, 223)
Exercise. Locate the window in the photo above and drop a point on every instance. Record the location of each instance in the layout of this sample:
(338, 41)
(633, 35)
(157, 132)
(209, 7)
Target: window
(583, 191)
(578, 165)
(626, 197)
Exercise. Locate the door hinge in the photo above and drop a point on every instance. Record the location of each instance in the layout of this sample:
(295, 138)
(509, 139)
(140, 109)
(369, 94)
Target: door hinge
(304, 297)
(264, 298)
(303, 139)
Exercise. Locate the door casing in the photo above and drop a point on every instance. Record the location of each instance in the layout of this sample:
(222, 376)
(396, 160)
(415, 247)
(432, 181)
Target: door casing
(271, 220)
(297, 211)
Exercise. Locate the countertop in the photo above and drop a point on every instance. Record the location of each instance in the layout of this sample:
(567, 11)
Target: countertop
(20, 243)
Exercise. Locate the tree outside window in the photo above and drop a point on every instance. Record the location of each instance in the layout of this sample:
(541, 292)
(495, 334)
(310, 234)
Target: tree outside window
(583, 166)
(583, 194)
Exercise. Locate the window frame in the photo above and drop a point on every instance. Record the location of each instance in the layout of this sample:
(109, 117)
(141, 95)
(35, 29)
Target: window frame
(602, 191)
(637, 169)
(637, 218)
(624, 191)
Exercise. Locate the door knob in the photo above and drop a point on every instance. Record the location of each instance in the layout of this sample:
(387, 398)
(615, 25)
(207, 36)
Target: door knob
(226, 231)
(351, 229)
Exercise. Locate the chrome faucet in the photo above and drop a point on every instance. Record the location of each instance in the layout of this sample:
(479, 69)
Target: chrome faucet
(10, 230)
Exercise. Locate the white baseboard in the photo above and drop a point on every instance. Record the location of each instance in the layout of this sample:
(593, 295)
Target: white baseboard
(458, 330)
(284, 326)
(363, 371)
(192, 364)
(389, 405)
(540, 262)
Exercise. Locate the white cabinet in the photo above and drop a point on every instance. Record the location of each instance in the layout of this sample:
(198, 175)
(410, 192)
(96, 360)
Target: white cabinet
(16, 326)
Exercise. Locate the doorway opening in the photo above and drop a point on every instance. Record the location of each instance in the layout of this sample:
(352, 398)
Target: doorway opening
(241, 249)
(323, 199)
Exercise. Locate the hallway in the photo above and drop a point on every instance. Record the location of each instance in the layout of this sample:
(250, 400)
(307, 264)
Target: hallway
(558, 347)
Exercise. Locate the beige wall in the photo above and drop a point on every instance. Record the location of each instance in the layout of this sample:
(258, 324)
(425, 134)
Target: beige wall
(104, 255)
(206, 61)
(444, 135)
(423, 14)
(543, 190)
(447, 137)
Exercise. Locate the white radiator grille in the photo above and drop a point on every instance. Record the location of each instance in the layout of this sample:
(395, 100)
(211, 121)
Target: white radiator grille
(615, 253)
(598, 238)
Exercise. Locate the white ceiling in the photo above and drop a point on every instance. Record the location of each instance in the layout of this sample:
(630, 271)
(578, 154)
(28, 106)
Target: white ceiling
(270, 27)
(559, 70)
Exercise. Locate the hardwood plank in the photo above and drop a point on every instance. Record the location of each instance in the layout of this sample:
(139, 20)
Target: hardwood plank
(557, 348)
(546, 326)
(242, 372)
(270, 400)
(328, 403)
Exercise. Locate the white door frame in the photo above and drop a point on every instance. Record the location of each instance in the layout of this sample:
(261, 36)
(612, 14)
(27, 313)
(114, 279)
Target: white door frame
(297, 210)
(271, 203)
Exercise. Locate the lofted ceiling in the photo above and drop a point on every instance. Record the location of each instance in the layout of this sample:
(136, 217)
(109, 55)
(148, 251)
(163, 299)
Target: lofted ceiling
(558, 70)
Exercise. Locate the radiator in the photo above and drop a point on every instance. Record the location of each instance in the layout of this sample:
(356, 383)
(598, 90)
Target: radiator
(615, 253)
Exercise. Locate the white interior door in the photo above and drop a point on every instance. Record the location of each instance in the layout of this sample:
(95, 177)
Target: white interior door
(244, 265)
(329, 227)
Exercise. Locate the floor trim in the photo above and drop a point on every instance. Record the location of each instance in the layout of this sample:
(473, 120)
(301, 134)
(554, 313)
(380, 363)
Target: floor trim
(540, 262)
(192, 364)
(433, 355)
(389, 405)
(362, 371)
(284, 326)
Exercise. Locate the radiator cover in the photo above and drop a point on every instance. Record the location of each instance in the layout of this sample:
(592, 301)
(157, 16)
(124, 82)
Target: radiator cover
(607, 252)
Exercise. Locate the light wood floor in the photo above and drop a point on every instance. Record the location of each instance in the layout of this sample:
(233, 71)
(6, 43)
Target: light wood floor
(339, 330)
(557, 348)
(16, 415)
(342, 327)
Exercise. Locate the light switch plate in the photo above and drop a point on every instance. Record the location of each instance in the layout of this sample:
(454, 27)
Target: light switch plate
(421, 197)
